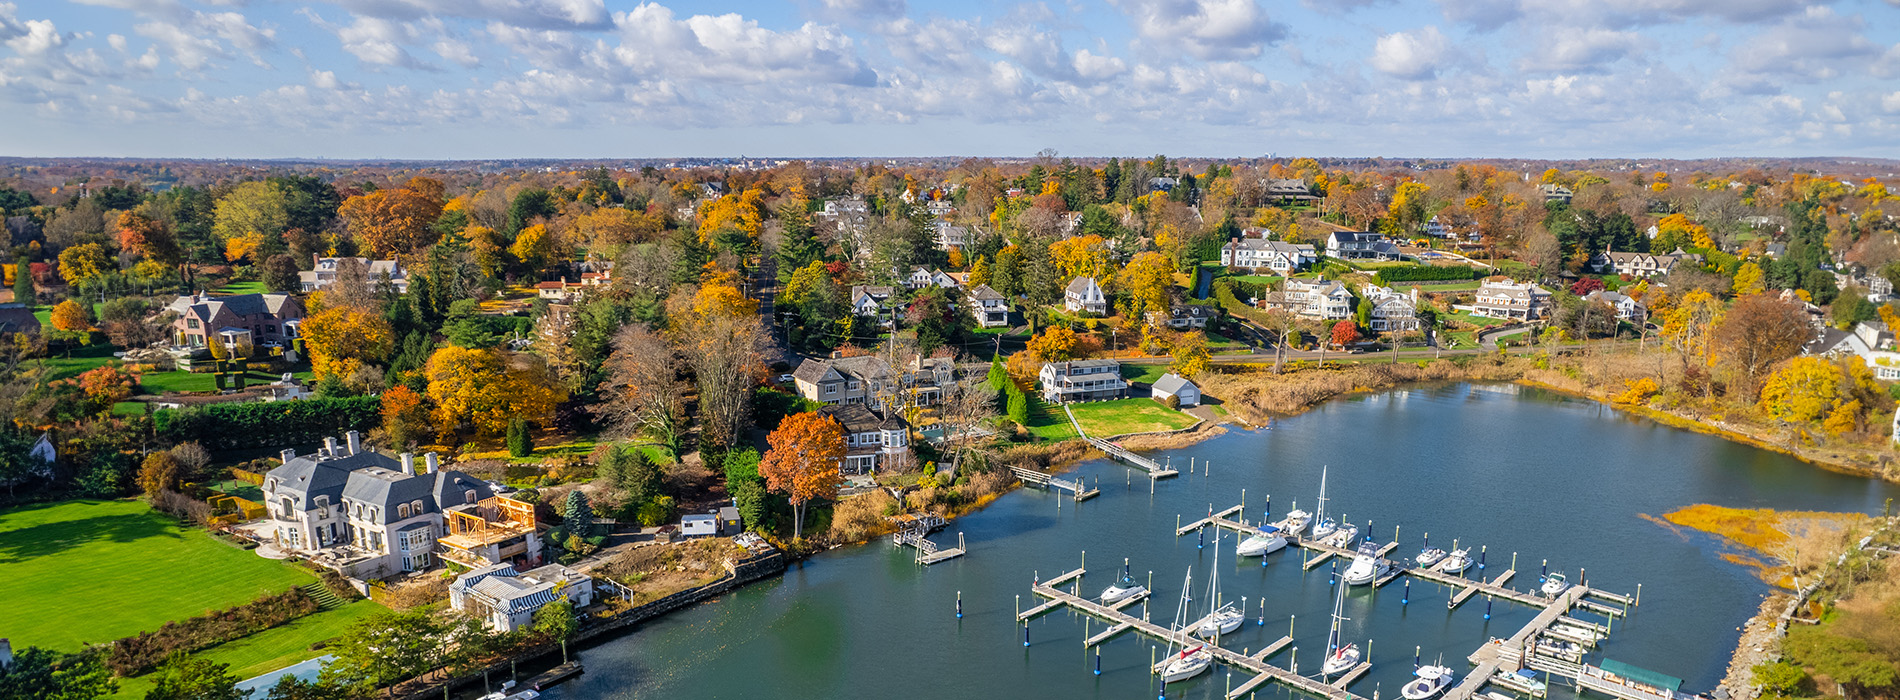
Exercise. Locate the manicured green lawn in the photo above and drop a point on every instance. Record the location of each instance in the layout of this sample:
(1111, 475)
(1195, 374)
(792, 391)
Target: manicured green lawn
(1475, 319)
(252, 287)
(1048, 421)
(1106, 418)
(1428, 288)
(1146, 374)
(1259, 279)
(88, 572)
(273, 648)
(66, 365)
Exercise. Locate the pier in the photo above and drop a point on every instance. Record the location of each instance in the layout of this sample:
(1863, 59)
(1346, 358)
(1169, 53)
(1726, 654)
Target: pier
(1493, 661)
(914, 534)
(1079, 490)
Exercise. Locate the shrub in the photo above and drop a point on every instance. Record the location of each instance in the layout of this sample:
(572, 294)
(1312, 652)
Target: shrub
(239, 425)
(519, 444)
(1426, 273)
(137, 654)
(1173, 402)
(185, 508)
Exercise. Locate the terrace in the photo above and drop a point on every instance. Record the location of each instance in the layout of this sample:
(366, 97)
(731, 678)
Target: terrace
(495, 530)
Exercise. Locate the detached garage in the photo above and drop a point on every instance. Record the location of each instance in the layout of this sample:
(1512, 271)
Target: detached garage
(1177, 386)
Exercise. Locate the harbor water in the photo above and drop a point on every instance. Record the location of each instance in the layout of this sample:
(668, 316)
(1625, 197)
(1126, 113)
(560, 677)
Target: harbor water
(1506, 468)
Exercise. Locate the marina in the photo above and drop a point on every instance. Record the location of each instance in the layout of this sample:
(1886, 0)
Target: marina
(828, 627)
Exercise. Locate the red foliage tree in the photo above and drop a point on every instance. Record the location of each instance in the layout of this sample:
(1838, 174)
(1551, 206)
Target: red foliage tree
(1584, 286)
(1345, 333)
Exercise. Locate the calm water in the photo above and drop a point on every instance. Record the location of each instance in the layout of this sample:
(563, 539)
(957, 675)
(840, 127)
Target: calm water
(1517, 470)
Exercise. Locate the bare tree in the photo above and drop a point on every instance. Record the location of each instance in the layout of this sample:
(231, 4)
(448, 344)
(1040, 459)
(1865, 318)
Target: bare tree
(1759, 331)
(964, 409)
(352, 287)
(724, 351)
(641, 397)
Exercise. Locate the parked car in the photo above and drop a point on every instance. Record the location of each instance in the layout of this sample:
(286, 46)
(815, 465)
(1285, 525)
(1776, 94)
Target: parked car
(785, 379)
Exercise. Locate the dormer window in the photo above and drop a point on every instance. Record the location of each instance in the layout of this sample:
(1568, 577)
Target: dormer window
(402, 511)
(415, 506)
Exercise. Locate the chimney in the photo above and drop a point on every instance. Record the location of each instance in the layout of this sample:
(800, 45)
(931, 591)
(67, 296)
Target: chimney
(329, 447)
(356, 441)
(429, 460)
(288, 455)
(408, 464)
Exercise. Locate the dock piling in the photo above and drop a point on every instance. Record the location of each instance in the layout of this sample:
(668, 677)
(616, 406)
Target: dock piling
(1481, 552)
(1098, 661)
(1487, 612)
(1406, 597)
(1025, 634)
(960, 604)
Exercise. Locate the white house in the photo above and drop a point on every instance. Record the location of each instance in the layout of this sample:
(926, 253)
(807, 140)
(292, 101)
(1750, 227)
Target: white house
(1640, 264)
(1177, 386)
(506, 600)
(1183, 316)
(871, 302)
(990, 308)
(1627, 309)
(949, 235)
(1361, 245)
(1391, 311)
(1319, 298)
(1085, 296)
(1502, 298)
(1082, 380)
(324, 272)
(1255, 253)
(922, 277)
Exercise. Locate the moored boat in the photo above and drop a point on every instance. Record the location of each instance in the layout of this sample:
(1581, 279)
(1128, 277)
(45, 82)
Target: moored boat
(1554, 585)
(1267, 541)
(1430, 681)
(1429, 557)
(1456, 562)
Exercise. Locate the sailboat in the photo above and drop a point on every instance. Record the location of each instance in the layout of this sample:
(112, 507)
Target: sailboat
(1322, 525)
(1431, 681)
(1221, 619)
(1122, 589)
(1339, 659)
(1193, 659)
(1265, 542)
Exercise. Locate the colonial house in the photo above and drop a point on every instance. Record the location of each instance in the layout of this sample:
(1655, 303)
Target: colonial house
(845, 206)
(1183, 316)
(1502, 298)
(990, 308)
(1639, 264)
(1319, 298)
(924, 277)
(1361, 245)
(1392, 312)
(1185, 392)
(1255, 253)
(262, 320)
(1082, 380)
(1436, 228)
(367, 515)
(1085, 296)
(949, 235)
(1555, 193)
(561, 291)
(1627, 309)
(868, 379)
(324, 272)
(871, 441)
(871, 302)
(506, 599)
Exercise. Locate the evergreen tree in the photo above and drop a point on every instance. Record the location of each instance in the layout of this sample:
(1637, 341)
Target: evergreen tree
(997, 374)
(799, 246)
(1018, 405)
(579, 516)
(23, 283)
(519, 443)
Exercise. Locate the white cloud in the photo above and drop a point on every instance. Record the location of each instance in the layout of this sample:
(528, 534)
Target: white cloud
(1580, 51)
(379, 41)
(872, 10)
(535, 14)
(1415, 55)
(1818, 45)
(1092, 67)
(1891, 101)
(731, 48)
(1222, 30)
(1483, 15)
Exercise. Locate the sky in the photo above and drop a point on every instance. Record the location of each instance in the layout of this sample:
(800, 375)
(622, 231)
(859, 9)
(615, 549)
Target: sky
(472, 79)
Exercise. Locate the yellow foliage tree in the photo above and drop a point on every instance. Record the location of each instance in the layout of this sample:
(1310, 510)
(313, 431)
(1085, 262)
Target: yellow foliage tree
(1083, 256)
(1148, 278)
(979, 272)
(535, 247)
(1748, 279)
(81, 264)
(1802, 391)
(1055, 344)
(1844, 419)
(488, 388)
(253, 210)
(1690, 323)
(739, 211)
(1636, 392)
(341, 339)
(1190, 354)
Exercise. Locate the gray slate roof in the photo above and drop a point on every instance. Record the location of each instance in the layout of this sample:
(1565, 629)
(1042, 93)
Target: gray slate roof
(1171, 383)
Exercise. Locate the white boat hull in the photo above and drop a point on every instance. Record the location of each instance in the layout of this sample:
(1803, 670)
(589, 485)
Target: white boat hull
(1223, 621)
(1341, 661)
(1429, 558)
(1365, 570)
(1343, 537)
(1258, 545)
(1116, 594)
(1455, 564)
(1187, 665)
(1432, 680)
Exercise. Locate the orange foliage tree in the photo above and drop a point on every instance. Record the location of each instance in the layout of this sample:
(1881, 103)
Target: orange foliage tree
(1345, 333)
(106, 385)
(394, 221)
(404, 415)
(489, 388)
(148, 237)
(807, 449)
(68, 315)
(739, 211)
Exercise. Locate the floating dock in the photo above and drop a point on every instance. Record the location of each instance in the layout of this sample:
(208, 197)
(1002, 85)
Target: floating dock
(915, 535)
(1079, 490)
(548, 679)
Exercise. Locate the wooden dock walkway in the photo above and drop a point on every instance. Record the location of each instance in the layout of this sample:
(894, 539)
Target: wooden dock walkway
(1076, 488)
(927, 551)
(1256, 664)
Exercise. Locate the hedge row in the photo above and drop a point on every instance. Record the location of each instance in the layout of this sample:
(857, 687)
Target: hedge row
(274, 424)
(145, 651)
(1427, 273)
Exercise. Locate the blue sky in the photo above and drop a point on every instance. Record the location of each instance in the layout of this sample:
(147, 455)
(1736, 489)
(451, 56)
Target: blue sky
(587, 78)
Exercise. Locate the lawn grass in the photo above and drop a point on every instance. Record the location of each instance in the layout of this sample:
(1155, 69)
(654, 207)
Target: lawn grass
(1146, 374)
(88, 572)
(1122, 416)
(1258, 279)
(69, 364)
(1048, 421)
(270, 649)
(252, 287)
(1475, 320)
(1429, 287)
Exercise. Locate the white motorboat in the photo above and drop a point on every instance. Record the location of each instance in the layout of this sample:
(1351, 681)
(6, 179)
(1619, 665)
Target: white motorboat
(1122, 590)
(1339, 658)
(1431, 681)
(1495, 695)
(1554, 585)
(1191, 662)
(1267, 541)
(1456, 562)
(1344, 536)
(1429, 557)
(1524, 681)
(504, 694)
(1222, 621)
(1297, 520)
(1366, 566)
